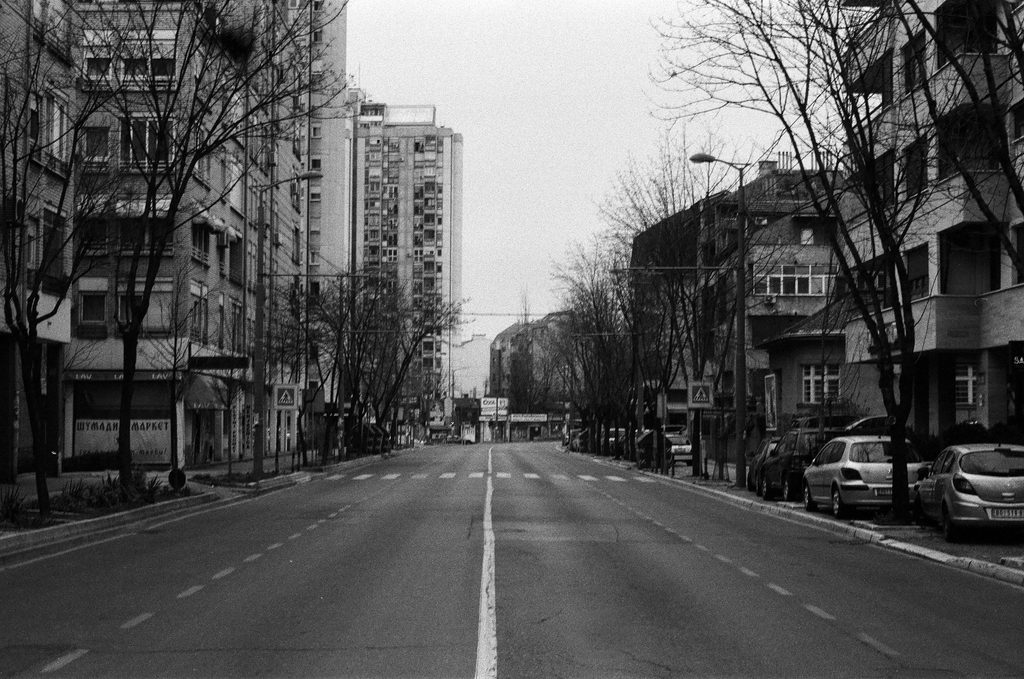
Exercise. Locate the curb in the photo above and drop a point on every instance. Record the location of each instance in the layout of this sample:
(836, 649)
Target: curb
(1003, 572)
(15, 544)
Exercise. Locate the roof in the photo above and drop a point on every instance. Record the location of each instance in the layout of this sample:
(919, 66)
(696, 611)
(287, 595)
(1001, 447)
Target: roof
(829, 321)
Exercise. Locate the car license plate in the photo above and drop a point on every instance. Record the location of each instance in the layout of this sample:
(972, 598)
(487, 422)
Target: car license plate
(1006, 513)
(883, 492)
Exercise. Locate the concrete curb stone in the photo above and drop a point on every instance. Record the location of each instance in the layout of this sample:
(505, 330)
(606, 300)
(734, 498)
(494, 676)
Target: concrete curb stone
(1010, 571)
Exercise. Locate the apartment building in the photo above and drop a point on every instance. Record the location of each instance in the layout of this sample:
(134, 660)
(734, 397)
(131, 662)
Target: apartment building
(408, 218)
(957, 164)
(215, 200)
(37, 103)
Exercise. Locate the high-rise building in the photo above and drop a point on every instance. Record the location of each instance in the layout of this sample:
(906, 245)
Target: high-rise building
(408, 213)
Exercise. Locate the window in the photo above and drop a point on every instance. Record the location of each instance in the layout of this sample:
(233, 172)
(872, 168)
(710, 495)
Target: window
(315, 131)
(163, 69)
(135, 68)
(966, 384)
(917, 271)
(200, 244)
(96, 140)
(820, 383)
(796, 279)
(97, 67)
(965, 27)
(200, 312)
(144, 143)
(1017, 119)
(314, 162)
(314, 193)
(318, 36)
(965, 137)
(915, 160)
(914, 62)
(92, 307)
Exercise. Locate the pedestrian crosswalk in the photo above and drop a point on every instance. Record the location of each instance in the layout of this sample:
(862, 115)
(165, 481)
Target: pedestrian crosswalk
(528, 476)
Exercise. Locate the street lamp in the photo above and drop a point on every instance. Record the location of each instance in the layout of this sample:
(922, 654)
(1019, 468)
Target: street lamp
(259, 359)
(740, 379)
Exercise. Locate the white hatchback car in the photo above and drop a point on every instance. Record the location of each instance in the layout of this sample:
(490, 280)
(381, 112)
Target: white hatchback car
(856, 471)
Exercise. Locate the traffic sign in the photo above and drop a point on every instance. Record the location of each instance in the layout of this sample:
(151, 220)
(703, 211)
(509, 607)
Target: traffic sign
(700, 395)
(286, 396)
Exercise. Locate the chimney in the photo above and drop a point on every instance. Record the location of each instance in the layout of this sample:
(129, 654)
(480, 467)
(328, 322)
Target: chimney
(766, 167)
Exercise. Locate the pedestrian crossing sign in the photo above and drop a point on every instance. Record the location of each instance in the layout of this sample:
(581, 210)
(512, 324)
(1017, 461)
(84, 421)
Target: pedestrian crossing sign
(286, 396)
(700, 395)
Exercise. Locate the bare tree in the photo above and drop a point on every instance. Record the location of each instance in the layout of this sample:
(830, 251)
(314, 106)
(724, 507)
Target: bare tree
(816, 71)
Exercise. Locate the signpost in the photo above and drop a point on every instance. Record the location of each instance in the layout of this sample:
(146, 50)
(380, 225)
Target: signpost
(699, 398)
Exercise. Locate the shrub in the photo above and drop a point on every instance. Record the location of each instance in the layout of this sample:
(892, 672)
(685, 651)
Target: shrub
(964, 432)
(12, 506)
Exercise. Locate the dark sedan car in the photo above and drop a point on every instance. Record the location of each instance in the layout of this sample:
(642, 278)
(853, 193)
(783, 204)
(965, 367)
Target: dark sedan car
(764, 449)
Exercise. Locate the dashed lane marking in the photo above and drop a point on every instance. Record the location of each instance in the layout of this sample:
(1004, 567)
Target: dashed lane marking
(476, 475)
(448, 475)
(877, 645)
(362, 477)
(723, 558)
(504, 475)
(825, 615)
(585, 477)
(617, 479)
(643, 479)
(748, 572)
(64, 660)
(276, 545)
(312, 527)
(560, 477)
(137, 620)
(190, 591)
(224, 573)
(779, 590)
(295, 536)
(531, 476)
(702, 548)
(391, 477)
(419, 476)
(335, 477)
(251, 558)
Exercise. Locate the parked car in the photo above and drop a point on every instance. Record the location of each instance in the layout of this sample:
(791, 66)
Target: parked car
(761, 453)
(616, 439)
(783, 471)
(646, 444)
(851, 472)
(580, 440)
(972, 486)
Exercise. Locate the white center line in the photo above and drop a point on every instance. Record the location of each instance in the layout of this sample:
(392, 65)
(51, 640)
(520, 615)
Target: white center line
(313, 527)
(618, 479)
(335, 477)
(362, 477)
(321, 520)
(391, 477)
(531, 476)
(331, 516)
(686, 538)
(747, 571)
(820, 613)
(504, 475)
(190, 591)
(560, 477)
(585, 477)
(877, 645)
(779, 590)
(64, 660)
(252, 557)
(702, 548)
(643, 479)
(723, 559)
(137, 620)
(419, 476)
(224, 573)
(448, 475)
(487, 629)
(274, 546)
(293, 536)
(476, 475)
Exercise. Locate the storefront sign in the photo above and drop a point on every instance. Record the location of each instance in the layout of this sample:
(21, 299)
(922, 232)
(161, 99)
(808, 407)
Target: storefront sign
(528, 417)
(1017, 357)
(116, 375)
(150, 439)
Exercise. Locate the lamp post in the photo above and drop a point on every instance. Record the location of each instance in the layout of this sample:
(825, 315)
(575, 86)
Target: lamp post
(740, 379)
(259, 357)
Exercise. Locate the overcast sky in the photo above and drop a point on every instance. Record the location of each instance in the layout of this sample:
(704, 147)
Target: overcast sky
(551, 96)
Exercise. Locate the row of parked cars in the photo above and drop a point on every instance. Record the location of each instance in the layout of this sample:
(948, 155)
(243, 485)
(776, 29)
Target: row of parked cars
(844, 464)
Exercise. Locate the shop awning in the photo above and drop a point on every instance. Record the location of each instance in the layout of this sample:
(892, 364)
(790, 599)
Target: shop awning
(205, 393)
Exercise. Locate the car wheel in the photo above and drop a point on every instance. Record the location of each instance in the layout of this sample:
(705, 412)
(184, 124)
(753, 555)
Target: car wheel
(766, 488)
(839, 509)
(950, 530)
(787, 490)
(760, 485)
(751, 485)
(809, 503)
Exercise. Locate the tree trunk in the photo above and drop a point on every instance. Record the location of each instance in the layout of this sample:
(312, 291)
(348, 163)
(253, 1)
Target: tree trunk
(130, 345)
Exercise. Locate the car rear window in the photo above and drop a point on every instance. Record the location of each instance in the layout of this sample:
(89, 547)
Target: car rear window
(679, 440)
(994, 463)
(878, 451)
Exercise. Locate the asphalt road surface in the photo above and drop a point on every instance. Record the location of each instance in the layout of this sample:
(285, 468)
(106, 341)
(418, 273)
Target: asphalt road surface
(513, 561)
